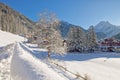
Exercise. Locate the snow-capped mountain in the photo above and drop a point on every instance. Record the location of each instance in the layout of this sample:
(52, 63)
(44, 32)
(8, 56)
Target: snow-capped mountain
(107, 28)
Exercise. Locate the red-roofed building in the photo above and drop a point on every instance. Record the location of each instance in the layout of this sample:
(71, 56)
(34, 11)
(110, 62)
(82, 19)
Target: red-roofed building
(109, 45)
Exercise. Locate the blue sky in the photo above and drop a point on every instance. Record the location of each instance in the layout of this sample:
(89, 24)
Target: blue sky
(78, 12)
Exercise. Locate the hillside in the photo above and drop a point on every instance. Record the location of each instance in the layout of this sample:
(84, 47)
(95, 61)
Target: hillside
(14, 22)
(6, 50)
(8, 38)
(101, 35)
(65, 26)
(117, 36)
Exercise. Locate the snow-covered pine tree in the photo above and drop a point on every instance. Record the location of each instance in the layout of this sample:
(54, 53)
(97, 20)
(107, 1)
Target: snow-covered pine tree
(49, 36)
(91, 39)
(76, 39)
(70, 40)
(81, 39)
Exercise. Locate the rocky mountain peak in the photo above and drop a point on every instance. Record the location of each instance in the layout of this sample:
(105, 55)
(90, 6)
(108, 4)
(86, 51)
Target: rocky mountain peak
(107, 28)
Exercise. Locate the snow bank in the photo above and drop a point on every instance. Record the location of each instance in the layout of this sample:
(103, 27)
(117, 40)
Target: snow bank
(5, 60)
(5, 69)
(8, 38)
(26, 67)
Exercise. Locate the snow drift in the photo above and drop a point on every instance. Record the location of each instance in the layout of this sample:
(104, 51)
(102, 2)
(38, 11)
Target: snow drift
(8, 38)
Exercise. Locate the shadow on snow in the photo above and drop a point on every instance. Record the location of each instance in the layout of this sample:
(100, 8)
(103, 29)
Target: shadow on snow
(74, 56)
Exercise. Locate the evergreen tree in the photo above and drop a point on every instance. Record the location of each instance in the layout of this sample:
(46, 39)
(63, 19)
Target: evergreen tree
(76, 39)
(91, 39)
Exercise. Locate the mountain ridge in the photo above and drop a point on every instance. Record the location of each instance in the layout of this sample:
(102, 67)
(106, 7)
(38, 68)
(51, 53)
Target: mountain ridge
(15, 22)
(65, 26)
(107, 28)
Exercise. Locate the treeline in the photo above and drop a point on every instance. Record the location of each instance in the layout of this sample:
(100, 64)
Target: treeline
(49, 37)
(80, 41)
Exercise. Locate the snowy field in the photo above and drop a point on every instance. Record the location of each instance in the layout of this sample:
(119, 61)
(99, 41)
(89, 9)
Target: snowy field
(103, 66)
(21, 61)
(98, 66)
(30, 63)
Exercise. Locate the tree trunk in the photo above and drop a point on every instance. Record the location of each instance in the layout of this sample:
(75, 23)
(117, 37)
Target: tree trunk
(49, 54)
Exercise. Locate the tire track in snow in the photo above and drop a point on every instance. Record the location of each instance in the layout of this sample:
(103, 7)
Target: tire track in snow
(26, 67)
(5, 61)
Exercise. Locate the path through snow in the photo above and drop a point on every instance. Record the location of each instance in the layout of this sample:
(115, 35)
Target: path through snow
(26, 67)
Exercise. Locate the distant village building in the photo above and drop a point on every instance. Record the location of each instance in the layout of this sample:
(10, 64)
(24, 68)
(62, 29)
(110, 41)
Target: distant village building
(109, 45)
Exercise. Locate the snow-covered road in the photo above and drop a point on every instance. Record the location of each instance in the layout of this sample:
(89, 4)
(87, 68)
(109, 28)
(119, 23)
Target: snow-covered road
(26, 67)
